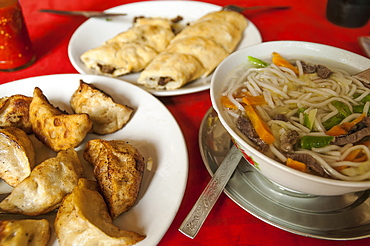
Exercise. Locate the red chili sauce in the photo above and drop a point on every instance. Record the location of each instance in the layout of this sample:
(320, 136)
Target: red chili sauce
(16, 50)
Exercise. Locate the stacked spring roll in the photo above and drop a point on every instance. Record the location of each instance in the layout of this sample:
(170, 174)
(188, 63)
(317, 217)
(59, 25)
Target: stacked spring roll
(132, 50)
(196, 51)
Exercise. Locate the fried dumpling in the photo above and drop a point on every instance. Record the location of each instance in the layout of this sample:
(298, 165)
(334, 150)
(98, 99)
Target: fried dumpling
(14, 112)
(170, 71)
(131, 50)
(106, 115)
(220, 27)
(118, 168)
(55, 128)
(17, 155)
(44, 189)
(236, 19)
(153, 32)
(83, 219)
(115, 59)
(30, 232)
(209, 53)
(203, 44)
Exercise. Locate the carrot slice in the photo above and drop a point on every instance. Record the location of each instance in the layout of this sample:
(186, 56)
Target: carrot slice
(344, 128)
(336, 131)
(254, 100)
(348, 125)
(353, 154)
(340, 168)
(259, 125)
(225, 100)
(278, 60)
(297, 165)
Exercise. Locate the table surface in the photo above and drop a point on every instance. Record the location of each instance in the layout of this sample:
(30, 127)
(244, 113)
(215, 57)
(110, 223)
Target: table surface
(227, 224)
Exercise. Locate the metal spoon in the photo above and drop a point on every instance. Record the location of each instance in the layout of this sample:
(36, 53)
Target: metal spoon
(210, 194)
(81, 13)
(241, 9)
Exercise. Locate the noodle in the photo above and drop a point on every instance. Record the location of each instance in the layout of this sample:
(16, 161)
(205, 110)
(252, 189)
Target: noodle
(303, 98)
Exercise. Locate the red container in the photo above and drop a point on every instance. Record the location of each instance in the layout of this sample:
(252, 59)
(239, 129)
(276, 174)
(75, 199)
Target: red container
(16, 50)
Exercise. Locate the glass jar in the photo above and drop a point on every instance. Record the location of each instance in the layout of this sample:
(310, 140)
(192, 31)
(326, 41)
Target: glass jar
(16, 50)
(348, 13)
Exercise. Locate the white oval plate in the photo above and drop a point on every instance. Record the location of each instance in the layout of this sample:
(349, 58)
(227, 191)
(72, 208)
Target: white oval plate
(152, 130)
(95, 32)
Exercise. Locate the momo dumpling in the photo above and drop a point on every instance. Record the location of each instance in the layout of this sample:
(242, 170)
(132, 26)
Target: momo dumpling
(57, 129)
(83, 219)
(44, 189)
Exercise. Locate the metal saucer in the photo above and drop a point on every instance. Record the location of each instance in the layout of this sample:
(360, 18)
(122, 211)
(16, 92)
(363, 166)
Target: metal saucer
(345, 217)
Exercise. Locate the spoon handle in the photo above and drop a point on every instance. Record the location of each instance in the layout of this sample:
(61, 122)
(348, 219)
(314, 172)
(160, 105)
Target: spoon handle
(81, 13)
(196, 217)
(365, 44)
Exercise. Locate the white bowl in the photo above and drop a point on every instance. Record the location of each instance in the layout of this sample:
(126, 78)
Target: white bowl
(273, 170)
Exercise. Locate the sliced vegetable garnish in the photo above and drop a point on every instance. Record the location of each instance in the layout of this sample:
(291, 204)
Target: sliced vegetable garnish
(333, 121)
(363, 100)
(342, 108)
(259, 125)
(309, 118)
(344, 128)
(336, 131)
(348, 125)
(254, 100)
(309, 142)
(356, 155)
(301, 110)
(225, 100)
(257, 62)
(297, 165)
(278, 60)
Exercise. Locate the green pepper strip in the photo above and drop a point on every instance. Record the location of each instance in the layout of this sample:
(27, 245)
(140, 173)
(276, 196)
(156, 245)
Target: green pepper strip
(363, 100)
(333, 121)
(309, 142)
(342, 108)
(257, 62)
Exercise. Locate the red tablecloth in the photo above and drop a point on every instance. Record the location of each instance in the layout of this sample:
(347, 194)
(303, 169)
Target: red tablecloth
(227, 224)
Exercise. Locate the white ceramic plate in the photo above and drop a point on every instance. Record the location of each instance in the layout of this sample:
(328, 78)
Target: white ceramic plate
(94, 32)
(152, 130)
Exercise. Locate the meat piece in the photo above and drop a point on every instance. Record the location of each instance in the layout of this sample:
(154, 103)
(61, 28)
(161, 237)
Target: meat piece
(83, 219)
(164, 80)
(323, 72)
(288, 141)
(107, 116)
(14, 111)
(311, 163)
(309, 69)
(245, 126)
(366, 121)
(118, 168)
(352, 138)
(106, 69)
(281, 117)
(30, 232)
(54, 127)
(177, 19)
(44, 189)
(17, 155)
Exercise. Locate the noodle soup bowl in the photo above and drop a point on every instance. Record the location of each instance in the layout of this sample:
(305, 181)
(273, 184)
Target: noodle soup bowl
(277, 172)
